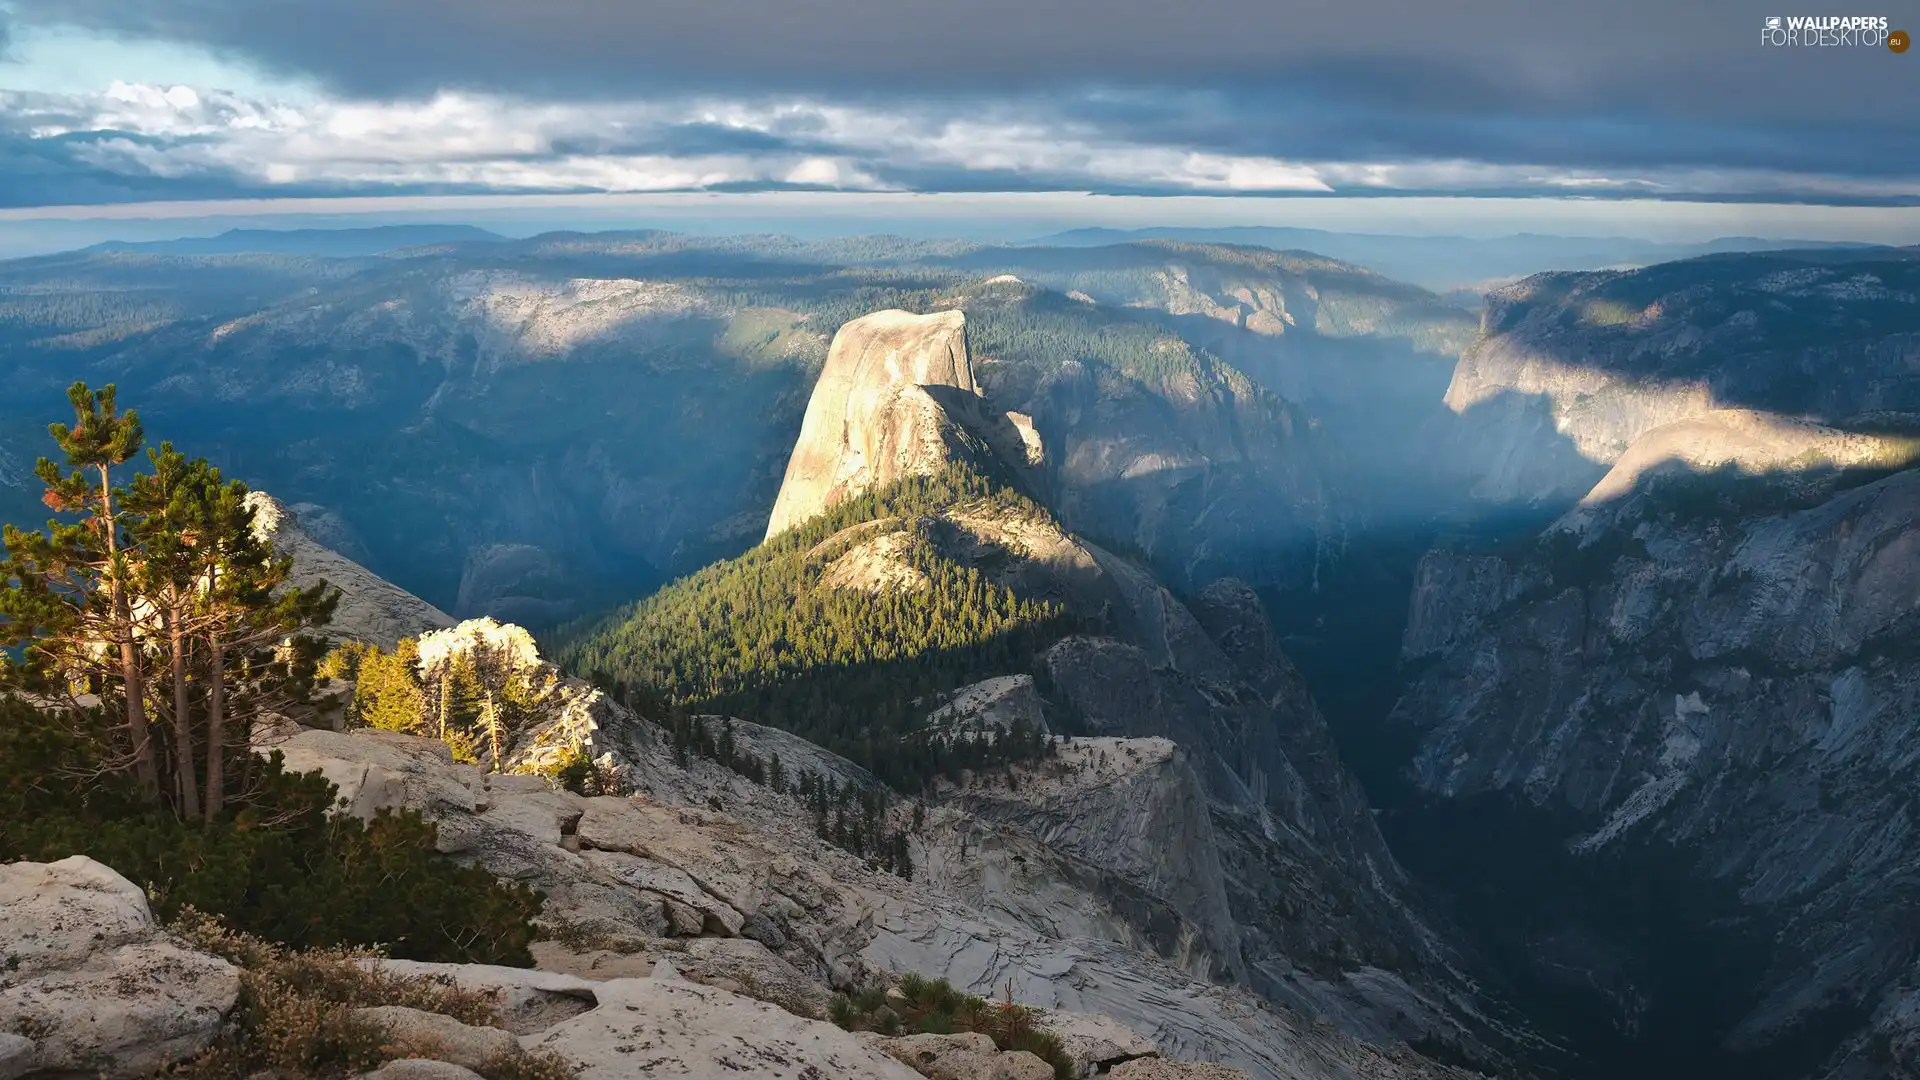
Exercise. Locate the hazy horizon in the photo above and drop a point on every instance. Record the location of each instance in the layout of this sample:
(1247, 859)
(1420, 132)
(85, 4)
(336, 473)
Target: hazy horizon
(1000, 218)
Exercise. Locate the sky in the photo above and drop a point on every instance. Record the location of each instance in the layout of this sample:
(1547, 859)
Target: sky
(1276, 111)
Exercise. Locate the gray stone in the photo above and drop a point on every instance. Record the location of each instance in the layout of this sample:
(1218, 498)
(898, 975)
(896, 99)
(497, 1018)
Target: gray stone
(763, 975)
(443, 1038)
(684, 920)
(93, 982)
(421, 1069)
(1730, 683)
(1047, 924)
(526, 1000)
(371, 608)
(16, 1055)
(673, 885)
(1094, 1042)
(664, 1027)
(965, 1056)
(871, 420)
(1021, 1065)
(999, 703)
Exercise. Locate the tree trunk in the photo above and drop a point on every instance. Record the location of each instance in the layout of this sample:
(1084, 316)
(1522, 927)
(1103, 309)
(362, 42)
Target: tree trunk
(216, 728)
(183, 759)
(144, 771)
(493, 730)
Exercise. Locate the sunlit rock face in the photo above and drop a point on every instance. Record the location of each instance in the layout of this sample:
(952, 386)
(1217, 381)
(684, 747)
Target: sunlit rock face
(1736, 444)
(877, 413)
(1035, 884)
(1572, 369)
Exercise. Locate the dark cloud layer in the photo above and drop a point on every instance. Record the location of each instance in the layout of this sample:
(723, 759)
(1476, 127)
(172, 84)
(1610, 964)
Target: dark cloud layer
(1632, 84)
(1409, 53)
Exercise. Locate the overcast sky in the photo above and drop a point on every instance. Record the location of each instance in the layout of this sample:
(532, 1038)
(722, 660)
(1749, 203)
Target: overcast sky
(136, 101)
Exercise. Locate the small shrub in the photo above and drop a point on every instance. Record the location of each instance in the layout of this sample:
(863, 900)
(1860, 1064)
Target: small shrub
(297, 1011)
(934, 1007)
(530, 1065)
(575, 770)
(581, 939)
(339, 975)
(280, 866)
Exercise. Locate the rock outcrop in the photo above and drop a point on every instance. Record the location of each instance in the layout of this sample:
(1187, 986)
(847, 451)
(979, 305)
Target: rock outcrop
(1572, 369)
(882, 411)
(1739, 444)
(1285, 838)
(90, 985)
(964, 1056)
(442, 1038)
(670, 1027)
(1095, 1044)
(91, 988)
(1249, 868)
(1682, 679)
(1170, 1070)
(1112, 838)
(1001, 703)
(371, 608)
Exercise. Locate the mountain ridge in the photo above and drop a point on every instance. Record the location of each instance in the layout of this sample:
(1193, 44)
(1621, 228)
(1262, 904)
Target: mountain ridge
(334, 243)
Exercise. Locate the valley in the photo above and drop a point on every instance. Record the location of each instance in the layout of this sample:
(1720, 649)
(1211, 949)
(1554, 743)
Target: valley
(1528, 692)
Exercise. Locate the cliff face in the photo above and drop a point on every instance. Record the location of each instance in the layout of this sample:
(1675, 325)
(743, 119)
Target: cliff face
(506, 427)
(877, 413)
(1198, 467)
(1110, 839)
(1721, 696)
(1675, 709)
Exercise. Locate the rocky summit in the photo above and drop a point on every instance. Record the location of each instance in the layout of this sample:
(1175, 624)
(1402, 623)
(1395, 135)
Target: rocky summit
(879, 411)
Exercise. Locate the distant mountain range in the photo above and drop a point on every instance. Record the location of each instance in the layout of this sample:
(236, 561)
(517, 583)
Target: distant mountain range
(1447, 263)
(1463, 267)
(329, 243)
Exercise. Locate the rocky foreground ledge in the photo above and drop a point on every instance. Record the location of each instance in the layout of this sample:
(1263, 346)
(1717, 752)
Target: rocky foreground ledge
(727, 881)
(91, 984)
(699, 929)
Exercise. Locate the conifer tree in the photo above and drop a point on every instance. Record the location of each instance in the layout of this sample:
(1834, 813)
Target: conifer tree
(387, 693)
(161, 601)
(67, 605)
